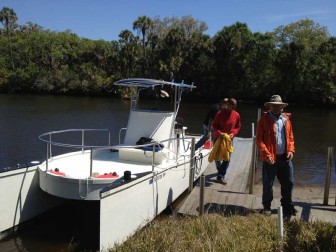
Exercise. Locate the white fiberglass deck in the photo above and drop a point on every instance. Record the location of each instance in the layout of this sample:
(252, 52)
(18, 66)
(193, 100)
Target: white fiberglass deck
(77, 164)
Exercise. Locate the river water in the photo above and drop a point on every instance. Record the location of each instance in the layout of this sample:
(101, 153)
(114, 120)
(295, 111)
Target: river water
(24, 117)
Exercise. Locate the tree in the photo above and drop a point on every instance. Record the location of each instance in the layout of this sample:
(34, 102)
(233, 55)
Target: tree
(128, 51)
(231, 47)
(143, 24)
(297, 47)
(8, 19)
(305, 32)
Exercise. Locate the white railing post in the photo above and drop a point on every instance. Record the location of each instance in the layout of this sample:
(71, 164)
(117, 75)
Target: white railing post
(83, 140)
(91, 161)
(280, 223)
(50, 153)
(47, 162)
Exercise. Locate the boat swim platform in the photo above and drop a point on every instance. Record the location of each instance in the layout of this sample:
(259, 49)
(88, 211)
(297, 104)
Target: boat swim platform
(234, 197)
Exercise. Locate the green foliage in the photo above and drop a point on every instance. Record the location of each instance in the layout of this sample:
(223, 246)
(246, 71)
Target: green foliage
(296, 61)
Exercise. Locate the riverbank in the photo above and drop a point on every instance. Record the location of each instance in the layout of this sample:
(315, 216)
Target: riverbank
(214, 232)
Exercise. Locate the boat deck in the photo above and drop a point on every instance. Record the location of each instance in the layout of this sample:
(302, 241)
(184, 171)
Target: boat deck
(107, 161)
(104, 162)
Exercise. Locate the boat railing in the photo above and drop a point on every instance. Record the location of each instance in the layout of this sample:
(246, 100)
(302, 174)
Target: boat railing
(49, 136)
(121, 131)
(48, 139)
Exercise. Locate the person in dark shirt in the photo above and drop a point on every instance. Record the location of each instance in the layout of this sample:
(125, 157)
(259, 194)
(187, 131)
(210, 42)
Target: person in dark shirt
(208, 122)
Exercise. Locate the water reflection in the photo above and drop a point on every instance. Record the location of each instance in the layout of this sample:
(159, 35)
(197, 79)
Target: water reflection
(73, 226)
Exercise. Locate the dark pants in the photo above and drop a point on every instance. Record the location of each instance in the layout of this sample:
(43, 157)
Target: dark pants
(284, 172)
(222, 167)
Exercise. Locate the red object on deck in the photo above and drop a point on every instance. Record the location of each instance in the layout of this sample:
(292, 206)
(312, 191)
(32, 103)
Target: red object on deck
(208, 145)
(58, 173)
(108, 176)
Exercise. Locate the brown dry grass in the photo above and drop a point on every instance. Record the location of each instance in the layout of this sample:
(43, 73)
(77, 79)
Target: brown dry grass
(214, 232)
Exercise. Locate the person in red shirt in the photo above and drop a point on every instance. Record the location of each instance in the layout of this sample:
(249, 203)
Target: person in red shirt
(227, 120)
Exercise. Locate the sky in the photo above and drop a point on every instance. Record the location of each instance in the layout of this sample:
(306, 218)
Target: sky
(105, 19)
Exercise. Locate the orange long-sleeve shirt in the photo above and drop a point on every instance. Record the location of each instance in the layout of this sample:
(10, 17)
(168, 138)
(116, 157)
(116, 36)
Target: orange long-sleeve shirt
(265, 138)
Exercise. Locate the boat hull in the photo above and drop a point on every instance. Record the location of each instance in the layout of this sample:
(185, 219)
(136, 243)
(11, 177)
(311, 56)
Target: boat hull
(126, 209)
(72, 188)
(21, 198)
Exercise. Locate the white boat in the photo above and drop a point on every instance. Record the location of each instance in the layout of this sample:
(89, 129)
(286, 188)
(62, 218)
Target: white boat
(134, 183)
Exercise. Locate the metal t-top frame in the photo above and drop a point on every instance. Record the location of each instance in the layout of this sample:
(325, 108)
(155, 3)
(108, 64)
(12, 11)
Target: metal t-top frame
(142, 84)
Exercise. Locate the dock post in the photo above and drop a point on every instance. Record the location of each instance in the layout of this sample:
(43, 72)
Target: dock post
(201, 203)
(327, 180)
(253, 165)
(192, 164)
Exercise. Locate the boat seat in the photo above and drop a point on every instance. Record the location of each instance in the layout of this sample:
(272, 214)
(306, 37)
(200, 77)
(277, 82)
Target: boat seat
(157, 125)
(148, 123)
(143, 156)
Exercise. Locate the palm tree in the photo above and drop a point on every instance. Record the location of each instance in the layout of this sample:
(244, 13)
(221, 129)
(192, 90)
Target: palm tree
(128, 50)
(8, 19)
(143, 24)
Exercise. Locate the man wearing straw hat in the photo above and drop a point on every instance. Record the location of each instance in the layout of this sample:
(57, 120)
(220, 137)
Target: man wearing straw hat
(275, 141)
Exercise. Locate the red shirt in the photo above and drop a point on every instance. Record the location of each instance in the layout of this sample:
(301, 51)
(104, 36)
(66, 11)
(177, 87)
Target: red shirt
(226, 122)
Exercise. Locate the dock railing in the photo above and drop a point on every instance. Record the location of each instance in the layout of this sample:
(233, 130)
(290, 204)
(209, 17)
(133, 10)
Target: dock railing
(330, 159)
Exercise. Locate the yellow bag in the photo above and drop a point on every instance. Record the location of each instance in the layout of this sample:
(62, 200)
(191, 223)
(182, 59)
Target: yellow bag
(222, 149)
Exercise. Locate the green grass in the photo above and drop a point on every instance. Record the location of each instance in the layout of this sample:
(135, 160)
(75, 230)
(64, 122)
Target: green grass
(214, 232)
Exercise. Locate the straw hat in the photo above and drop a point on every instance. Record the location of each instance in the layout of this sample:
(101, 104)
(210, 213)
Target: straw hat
(163, 93)
(275, 99)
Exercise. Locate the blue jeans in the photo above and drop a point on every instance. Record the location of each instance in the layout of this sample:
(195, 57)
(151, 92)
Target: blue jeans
(222, 167)
(284, 172)
(204, 138)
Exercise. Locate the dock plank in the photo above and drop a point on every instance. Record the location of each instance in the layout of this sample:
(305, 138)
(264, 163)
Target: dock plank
(217, 195)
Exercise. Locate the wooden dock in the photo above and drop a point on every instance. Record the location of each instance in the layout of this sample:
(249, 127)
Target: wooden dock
(234, 198)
